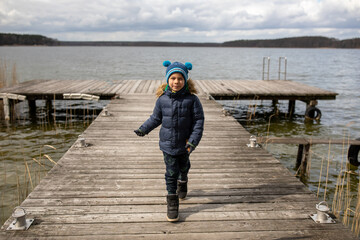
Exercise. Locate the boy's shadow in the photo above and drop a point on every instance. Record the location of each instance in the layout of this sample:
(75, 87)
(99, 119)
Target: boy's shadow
(204, 201)
(191, 204)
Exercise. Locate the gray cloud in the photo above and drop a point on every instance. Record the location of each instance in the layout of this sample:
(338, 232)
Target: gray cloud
(203, 20)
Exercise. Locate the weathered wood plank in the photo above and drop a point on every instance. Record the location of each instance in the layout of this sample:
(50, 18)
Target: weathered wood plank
(295, 234)
(213, 199)
(185, 207)
(264, 229)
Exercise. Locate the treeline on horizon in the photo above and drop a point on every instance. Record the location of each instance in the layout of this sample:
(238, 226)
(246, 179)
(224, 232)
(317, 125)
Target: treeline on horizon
(8, 39)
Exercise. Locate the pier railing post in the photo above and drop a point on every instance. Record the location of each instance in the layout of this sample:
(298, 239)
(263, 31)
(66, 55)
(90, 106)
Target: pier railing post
(268, 68)
(285, 63)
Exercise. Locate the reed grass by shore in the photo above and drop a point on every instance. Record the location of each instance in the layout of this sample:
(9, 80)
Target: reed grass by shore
(323, 165)
(8, 76)
(27, 176)
(22, 171)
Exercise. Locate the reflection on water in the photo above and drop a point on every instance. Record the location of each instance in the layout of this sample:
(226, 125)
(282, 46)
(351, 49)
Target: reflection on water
(28, 149)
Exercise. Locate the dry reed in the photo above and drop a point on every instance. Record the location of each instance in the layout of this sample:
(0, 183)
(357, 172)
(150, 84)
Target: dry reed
(338, 195)
(252, 108)
(343, 198)
(50, 159)
(6, 78)
(268, 129)
(54, 115)
(25, 182)
(327, 170)
(356, 222)
(29, 174)
(321, 167)
(3, 74)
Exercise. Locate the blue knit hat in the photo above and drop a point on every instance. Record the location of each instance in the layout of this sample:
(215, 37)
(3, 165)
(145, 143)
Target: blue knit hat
(177, 67)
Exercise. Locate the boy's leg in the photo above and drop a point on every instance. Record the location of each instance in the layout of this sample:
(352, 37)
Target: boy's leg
(184, 165)
(172, 173)
(171, 176)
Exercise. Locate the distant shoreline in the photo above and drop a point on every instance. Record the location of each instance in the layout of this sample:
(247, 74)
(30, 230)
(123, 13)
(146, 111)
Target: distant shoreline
(8, 39)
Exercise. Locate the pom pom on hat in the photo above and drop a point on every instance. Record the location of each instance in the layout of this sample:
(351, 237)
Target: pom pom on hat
(166, 63)
(177, 67)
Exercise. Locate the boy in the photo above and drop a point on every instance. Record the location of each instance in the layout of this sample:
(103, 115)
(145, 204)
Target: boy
(181, 116)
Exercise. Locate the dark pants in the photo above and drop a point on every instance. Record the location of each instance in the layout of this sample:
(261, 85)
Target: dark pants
(177, 168)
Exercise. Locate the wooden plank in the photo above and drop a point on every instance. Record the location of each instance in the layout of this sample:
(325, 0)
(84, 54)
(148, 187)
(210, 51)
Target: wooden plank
(129, 86)
(149, 200)
(77, 86)
(264, 229)
(186, 207)
(154, 86)
(144, 87)
(135, 86)
(202, 87)
(123, 86)
(110, 86)
(115, 87)
(36, 88)
(295, 234)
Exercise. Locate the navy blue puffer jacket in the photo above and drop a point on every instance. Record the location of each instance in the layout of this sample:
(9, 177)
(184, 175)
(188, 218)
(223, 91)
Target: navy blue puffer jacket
(182, 119)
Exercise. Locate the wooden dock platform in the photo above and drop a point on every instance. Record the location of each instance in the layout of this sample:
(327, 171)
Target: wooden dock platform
(50, 90)
(219, 89)
(115, 188)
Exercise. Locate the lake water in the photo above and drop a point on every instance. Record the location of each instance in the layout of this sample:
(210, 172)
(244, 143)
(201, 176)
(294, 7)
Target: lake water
(331, 69)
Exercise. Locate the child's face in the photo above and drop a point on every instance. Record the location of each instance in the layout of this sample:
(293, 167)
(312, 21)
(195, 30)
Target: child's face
(176, 81)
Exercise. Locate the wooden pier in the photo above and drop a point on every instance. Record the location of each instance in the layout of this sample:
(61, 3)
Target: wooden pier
(115, 187)
(219, 89)
(275, 90)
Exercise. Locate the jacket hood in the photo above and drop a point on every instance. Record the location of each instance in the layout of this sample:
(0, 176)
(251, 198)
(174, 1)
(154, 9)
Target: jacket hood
(191, 86)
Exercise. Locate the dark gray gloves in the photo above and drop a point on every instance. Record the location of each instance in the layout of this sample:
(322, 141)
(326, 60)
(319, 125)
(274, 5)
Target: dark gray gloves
(139, 133)
(189, 147)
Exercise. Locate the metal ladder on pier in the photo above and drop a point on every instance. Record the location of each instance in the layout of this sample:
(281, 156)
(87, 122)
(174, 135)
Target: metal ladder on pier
(266, 64)
(311, 112)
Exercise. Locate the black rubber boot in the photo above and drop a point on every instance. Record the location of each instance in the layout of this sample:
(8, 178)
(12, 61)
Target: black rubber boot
(172, 207)
(182, 189)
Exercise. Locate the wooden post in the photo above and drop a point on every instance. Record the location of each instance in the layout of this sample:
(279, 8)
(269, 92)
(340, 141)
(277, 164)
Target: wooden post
(291, 107)
(305, 159)
(302, 158)
(32, 109)
(49, 109)
(6, 108)
(275, 103)
(299, 155)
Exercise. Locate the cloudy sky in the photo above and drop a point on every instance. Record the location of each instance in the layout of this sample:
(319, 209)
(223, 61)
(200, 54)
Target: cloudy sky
(183, 21)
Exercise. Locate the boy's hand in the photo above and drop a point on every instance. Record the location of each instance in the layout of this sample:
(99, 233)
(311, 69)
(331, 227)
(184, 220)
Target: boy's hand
(139, 133)
(189, 148)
